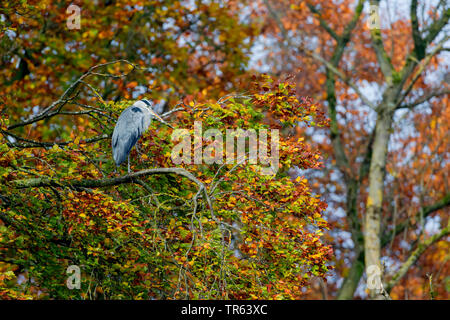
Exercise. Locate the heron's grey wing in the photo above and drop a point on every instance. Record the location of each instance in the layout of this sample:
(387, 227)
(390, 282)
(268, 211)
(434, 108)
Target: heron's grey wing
(128, 129)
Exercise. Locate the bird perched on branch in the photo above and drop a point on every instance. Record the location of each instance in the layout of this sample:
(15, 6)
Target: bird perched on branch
(132, 123)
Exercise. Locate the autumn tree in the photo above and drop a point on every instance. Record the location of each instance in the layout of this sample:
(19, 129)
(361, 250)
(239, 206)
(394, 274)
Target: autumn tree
(177, 49)
(165, 231)
(379, 68)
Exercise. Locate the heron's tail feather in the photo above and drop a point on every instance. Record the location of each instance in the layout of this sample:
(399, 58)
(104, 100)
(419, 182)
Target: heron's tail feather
(122, 148)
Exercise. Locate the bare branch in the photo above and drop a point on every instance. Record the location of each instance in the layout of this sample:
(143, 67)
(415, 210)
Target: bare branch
(419, 44)
(377, 42)
(342, 76)
(322, 22)
(435, 28)
(425, 98)
(64, 99)
(410, 65)
(425, 211)
(27, 143)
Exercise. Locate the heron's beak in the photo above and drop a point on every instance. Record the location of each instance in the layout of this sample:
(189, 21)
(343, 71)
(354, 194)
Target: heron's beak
(157, 117)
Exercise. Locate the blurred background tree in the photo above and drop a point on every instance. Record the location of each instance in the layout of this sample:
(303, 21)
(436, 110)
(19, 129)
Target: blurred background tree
(379, 68)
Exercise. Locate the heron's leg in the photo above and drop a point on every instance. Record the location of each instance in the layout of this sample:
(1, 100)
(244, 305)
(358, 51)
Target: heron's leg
(138, 150)
(129, 170)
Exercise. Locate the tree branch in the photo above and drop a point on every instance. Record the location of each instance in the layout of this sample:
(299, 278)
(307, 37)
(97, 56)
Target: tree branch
(377, 42)
(409, 68)
(352, 24)
(425, 211)
(419, 44)
(437, 26)
(37, 144)
(341, 76)
(63, 99)
(108, 182)
(415, 256)
(424, 98)
(322, 22)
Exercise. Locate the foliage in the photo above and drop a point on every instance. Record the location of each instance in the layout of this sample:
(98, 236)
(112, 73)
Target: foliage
(62, 90)
(158, 237)
(177, 48)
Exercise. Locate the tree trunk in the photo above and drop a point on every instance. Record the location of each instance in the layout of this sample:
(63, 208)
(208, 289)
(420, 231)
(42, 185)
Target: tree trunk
(351, 281)
(372, 225)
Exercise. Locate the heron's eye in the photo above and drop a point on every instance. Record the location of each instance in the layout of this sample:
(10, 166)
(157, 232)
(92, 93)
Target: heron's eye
(135, 109)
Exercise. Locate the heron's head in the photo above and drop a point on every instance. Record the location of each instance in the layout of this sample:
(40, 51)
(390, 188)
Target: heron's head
(149, 105)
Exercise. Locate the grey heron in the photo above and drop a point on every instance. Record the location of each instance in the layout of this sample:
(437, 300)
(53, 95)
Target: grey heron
(132, 123)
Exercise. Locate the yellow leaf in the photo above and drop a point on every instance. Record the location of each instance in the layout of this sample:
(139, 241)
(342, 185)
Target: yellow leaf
(433, 123)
